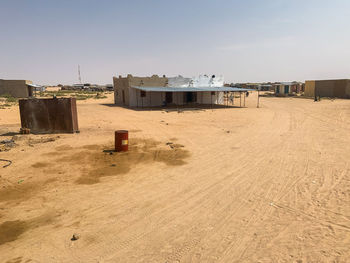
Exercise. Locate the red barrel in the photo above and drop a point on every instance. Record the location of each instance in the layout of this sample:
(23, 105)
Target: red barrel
(121, 141)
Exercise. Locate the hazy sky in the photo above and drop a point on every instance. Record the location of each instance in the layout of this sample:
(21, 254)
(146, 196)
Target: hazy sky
(246, 40)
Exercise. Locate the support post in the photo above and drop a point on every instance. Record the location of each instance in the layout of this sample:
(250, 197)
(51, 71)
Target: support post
(177, 102)
(244, 100)
(258, 99)
(240, 99)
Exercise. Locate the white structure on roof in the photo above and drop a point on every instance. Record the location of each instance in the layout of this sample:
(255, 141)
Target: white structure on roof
(196, 82)
(179, 81)
(206, 81)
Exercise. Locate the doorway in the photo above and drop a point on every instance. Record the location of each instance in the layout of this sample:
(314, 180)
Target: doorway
(190, 97)
(30, 91)
(169, 97)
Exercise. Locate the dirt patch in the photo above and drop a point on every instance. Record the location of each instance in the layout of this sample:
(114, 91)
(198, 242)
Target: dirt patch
(16, 260)
(64, 148)
(135, 130)
(40, 165)
(22, 190)
(100, 161)
(32, 141)
(12, 230)
(17, 192)
(91, 147)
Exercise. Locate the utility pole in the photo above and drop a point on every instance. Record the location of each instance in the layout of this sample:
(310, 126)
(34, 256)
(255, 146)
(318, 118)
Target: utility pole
(79, 74)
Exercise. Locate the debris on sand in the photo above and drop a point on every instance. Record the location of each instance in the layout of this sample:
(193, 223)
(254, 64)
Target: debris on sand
(41, 140)
(174, 145)
(24, 131)
(9, 162)
(6, 145)
(75, 237)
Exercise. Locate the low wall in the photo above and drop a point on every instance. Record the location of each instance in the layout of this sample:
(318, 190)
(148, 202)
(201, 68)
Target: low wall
(15, 88)
(49, 115)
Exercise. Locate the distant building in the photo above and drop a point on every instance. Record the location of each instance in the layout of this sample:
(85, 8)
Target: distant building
(109, 87)
(265, 87)
(162, 91)
(337, 88)
(19, 88)
(288, 88)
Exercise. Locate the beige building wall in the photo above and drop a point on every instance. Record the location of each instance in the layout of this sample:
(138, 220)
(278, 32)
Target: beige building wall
(309, 88)
(122, 87)
(15, 88)
(347, 89)
(338, 88)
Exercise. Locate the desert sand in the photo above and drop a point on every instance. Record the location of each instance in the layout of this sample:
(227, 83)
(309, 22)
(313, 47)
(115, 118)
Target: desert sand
(269, 184)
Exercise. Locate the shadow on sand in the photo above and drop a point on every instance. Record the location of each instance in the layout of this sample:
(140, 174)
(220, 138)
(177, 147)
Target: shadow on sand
(174, 108)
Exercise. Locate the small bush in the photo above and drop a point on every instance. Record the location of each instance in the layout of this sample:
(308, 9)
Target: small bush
(100, 96)
(9, 98)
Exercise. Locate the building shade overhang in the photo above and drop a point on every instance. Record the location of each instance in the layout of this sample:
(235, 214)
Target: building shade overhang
(34, 86)
(189, 89)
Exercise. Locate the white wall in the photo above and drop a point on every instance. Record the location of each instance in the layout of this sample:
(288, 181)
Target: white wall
(207, 98)
(156, 99)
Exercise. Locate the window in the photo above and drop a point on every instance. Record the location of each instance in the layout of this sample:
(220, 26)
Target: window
(143, 94)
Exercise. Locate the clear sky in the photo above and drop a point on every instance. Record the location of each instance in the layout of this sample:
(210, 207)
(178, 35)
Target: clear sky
(244, 40)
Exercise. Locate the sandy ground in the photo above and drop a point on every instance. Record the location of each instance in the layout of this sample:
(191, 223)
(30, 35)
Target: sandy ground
(237, 185)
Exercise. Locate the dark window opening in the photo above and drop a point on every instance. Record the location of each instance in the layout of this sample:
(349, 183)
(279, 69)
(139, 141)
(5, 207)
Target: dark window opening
(30, 91)
(169, 97)
(190, 97)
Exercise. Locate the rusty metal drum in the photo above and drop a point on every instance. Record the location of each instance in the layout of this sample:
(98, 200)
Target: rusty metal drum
(121, 141)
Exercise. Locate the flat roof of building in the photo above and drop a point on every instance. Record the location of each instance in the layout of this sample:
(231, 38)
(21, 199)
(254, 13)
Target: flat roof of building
(189, 89)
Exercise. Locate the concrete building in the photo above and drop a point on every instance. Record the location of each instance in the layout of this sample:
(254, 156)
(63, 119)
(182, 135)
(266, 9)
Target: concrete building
(16, 88)
(288, 88)
(337, 88)
(162, 91)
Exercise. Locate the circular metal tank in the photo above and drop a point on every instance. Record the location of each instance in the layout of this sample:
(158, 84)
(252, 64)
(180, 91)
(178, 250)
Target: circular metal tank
(121, 141)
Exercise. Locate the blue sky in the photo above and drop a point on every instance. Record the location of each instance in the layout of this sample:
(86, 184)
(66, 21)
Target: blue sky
(246, 41)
